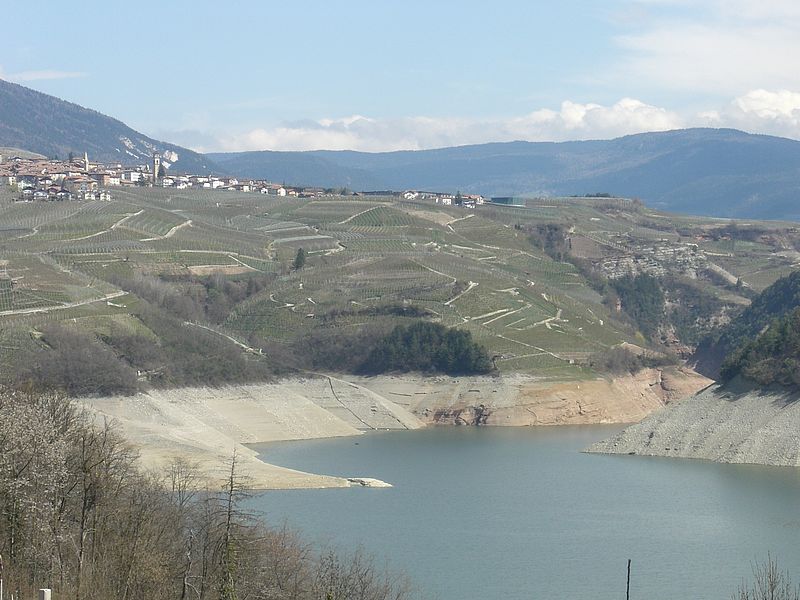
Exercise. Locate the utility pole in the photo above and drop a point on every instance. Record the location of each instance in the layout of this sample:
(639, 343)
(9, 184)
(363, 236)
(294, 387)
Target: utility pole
(627, 588)
(1, 577)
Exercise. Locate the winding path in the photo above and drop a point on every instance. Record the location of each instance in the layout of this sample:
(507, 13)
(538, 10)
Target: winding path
(46, 309)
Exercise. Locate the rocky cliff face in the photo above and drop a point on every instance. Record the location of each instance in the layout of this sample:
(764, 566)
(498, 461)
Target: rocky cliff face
(732, 424)
(525, 401)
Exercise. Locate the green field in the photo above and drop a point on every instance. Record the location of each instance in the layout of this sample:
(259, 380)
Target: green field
(472, 269)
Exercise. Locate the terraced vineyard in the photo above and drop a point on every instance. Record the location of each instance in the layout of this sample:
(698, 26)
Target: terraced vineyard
(473, 269)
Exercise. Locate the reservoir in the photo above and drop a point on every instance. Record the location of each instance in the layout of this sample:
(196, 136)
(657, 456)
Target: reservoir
(515, 513)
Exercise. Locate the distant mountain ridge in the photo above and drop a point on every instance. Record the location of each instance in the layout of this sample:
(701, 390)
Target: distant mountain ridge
(47, 125)
(717, 172)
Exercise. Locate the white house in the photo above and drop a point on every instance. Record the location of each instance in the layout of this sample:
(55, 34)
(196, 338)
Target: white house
(132, 176)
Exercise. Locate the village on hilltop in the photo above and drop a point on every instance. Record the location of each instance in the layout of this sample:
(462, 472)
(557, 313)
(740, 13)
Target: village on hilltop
(45, 179)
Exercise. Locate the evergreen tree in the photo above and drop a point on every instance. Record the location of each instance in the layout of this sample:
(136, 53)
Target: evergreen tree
(643, 300)
(428, 348)
(299, 259)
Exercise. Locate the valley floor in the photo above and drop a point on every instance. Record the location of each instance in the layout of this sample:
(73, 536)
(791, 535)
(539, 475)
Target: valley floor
(205, 426)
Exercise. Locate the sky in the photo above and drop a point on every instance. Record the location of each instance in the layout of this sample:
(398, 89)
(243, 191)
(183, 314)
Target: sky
(377, 75)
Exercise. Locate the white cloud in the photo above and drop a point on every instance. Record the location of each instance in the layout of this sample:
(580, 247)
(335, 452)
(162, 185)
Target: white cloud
(759, 10)
(718, 47)
(781, 105)
(573, 121)
(700, 58)
(775, 112)
(26, 76)
(764, 111)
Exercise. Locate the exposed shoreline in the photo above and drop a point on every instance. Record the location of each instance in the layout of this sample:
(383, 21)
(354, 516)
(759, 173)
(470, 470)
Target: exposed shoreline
(734, 423)
(204, 426)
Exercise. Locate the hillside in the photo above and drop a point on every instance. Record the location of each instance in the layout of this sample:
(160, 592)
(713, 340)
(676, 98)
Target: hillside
(717, 172)
(163, 288)
(47, 125)
(754, 416)
(775, 303)
(772, 358)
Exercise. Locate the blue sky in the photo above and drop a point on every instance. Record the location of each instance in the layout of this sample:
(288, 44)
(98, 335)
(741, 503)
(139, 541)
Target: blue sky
(383, 75)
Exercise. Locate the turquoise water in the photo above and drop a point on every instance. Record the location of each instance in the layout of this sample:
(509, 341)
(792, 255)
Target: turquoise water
(512, 513)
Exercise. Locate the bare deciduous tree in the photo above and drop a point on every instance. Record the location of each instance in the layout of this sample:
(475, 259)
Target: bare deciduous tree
(77, 515)
(769, 583)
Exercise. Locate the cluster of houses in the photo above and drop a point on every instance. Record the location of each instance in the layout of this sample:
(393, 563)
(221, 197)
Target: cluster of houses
(45, 179)
(79, 179)
(463, 200)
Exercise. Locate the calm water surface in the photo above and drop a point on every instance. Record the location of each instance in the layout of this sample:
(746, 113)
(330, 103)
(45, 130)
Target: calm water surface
(481, 513)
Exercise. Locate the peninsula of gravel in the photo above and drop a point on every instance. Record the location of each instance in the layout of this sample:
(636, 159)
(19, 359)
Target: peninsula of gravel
(206, 425)
(731, 423)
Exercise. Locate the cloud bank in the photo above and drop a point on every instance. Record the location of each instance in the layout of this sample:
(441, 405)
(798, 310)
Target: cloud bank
(775, 112)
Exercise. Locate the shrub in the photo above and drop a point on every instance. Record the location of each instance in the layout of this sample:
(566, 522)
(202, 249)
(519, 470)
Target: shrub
(619, 361)
(769, 583)
(77, 363)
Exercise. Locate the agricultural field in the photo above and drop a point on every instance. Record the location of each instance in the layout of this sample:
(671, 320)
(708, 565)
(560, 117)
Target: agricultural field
(367, 259)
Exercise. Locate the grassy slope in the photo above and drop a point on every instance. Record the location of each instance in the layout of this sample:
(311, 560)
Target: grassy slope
(470, 269)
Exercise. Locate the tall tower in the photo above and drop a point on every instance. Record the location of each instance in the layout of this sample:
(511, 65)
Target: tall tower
(86, 161)
(156, 166)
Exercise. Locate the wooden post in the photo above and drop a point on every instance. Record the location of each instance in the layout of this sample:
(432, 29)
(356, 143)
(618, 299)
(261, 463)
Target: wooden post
(627, 587)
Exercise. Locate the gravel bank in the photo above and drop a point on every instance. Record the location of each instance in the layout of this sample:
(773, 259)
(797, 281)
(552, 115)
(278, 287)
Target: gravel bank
(731, 424)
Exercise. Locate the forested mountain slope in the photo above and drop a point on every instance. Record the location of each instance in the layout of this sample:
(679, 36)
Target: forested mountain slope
(716, 172)
(47, 125)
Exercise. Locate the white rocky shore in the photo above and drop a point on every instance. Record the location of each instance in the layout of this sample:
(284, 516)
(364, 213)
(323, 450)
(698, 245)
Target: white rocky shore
(205, 425)
(731, 424)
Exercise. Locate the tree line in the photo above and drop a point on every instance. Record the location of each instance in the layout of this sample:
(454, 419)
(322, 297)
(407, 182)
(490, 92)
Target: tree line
(736, 344)
(771, 358)
(428, 348)
(166, 351)
(79, 516)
